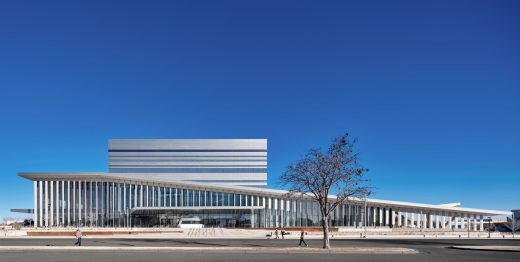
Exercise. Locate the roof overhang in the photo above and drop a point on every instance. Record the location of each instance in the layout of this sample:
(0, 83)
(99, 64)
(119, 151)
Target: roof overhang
(129, 178)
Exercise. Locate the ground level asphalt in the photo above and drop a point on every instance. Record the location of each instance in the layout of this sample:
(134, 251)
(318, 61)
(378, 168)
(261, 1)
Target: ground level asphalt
(437, 250)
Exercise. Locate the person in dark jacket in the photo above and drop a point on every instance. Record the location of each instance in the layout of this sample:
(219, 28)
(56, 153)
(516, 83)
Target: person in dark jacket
(302, 239)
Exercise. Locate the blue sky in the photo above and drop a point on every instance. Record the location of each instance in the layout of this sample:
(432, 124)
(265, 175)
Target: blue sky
(431, 89)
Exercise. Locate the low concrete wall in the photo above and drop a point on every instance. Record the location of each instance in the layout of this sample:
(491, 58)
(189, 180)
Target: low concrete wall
(95, 232)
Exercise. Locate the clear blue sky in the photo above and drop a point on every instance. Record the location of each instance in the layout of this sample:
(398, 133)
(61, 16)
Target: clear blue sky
(430, 88)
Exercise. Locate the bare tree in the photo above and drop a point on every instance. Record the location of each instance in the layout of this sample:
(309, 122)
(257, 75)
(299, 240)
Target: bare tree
(335, 171)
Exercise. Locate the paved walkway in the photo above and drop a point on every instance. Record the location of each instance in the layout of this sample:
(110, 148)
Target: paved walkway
(244, 250)
(490, 248)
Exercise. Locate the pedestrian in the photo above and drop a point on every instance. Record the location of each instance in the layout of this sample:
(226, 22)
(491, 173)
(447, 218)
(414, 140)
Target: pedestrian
(302, 239)
(276, 234)
(78, 238)
(283, 234)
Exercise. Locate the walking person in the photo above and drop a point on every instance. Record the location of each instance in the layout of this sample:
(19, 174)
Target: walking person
(276, 234)
(78, 238)
(302, 239)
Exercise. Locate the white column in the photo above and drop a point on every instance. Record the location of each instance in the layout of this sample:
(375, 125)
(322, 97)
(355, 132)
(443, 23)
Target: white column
(124, 198)
(387, 216)
(74, 203)
(406, 219)
(393, 218)
(412, 219)
(113, 203)
(147, 196)
(57, 202)
(46, 203)
(35, 212)
(63, 203)
(457, 220)
(91, 215)
(51, 198)
(462, 221)
(85, 202)
(97, 205)
(450, 218)
(430, 220)
(80, 206)
(171, 197)
(164, 197)
(68, 203)
(399, 219)
(443, 221)
(481, 223)
(437, 220)
(40, 192)
(475, 223)
(153, 196)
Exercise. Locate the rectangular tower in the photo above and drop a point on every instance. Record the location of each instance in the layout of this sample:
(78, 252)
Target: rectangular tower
(238, 162)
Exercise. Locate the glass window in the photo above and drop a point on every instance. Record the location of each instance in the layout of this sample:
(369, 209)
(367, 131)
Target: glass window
(213, 199)
(226, 199)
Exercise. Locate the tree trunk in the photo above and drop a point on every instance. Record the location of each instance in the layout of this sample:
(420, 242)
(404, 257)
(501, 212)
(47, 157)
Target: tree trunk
(325, 227)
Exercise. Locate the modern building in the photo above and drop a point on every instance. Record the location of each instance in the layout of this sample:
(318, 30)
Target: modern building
(220, 181)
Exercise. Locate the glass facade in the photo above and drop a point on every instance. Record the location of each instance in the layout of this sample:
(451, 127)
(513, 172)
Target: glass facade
(119, 203)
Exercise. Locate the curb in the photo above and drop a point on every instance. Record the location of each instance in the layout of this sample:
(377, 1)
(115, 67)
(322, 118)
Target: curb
(489, 248)
(242, 250)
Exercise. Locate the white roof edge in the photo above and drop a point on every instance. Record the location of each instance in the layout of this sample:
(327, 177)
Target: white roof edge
(34, 175)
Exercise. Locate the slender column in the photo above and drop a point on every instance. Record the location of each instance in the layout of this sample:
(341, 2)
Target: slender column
(437, 220)
(80, 206)
(419, 220)
(124, 198)
(74, 203)
(394, 214)
(40, 192)
(141, 197)
(57, 203)
(46, 203)
(153, 196)
(91, 218)
(406, 219)
(387, 217)
(399, 219)
(68, 203)
(164, 197)
(85, 201)
(430, 220)
(35, 211)
(412, 219)
(51, 200)
(457, 221)
(63, 203)
(443, 220)
(113, 204)
(171, 197)
(97, 205)
(147, 196)
(450, 218)
(159, 196)
(481, 223)
(475, 223)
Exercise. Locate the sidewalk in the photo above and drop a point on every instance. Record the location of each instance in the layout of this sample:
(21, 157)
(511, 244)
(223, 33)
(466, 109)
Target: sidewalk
(243, 250)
